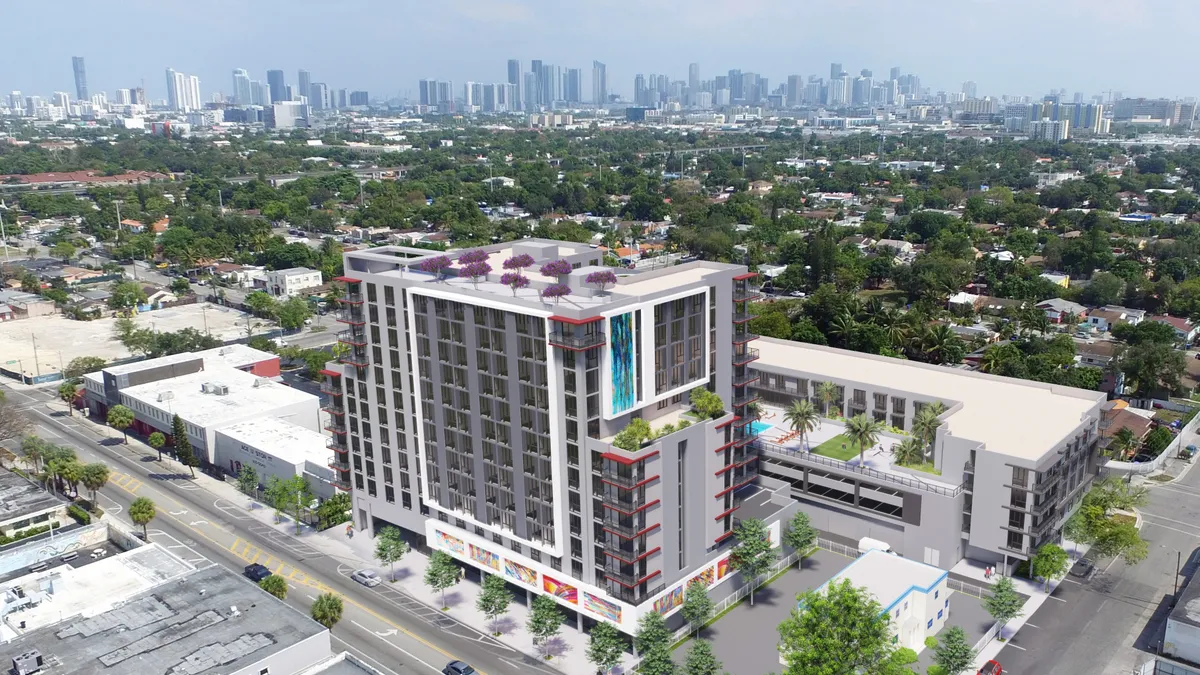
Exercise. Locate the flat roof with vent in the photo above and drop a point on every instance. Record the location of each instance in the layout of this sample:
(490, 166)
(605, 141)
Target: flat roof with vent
(199, 400)
(21, 498)
(183, 625)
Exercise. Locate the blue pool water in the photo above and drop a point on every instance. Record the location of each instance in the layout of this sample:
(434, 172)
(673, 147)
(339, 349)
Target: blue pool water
(759, 427)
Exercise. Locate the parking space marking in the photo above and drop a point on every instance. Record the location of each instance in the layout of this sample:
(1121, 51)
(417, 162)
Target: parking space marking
(255, 555)
(125, 481)
(1169, 520)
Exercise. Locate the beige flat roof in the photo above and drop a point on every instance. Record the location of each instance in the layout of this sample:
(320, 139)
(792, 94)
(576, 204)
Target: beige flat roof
(1018, 418)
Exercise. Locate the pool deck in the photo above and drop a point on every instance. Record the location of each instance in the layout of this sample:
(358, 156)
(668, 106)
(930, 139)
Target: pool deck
(878, 457)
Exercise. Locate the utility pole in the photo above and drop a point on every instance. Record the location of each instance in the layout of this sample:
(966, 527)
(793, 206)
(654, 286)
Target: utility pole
(4, 238)
(204, 311)
(37, 365)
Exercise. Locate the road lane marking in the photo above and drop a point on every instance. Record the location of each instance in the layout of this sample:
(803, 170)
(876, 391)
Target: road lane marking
(1018, 646)
(1052, 598)
(1169, 520)
(402, 650)
(1168, 527)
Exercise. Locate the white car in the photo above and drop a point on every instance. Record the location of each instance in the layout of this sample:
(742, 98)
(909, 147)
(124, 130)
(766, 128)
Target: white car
(367, 577)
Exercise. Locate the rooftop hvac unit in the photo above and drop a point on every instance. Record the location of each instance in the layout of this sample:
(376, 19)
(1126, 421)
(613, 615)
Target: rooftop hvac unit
(166, 396)
(29, 662)
(214, 388)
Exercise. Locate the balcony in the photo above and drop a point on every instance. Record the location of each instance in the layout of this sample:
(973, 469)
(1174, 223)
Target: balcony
(626, 481)
(743, 338)
(576, 342)
(746, 295)
(618, 573)
(352, 315)
(739, 401)
(622, 501)
(334, 410)
(352, 299)
(356, 361)
(746, 380)
(336, 427)
(631, 596)
(342, 482)
(352, 338)
(338, 464)
(743, 317)
(330, 391)
(626, 528)
(748, 356)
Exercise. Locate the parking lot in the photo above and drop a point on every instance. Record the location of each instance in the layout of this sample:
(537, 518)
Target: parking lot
(41, 345)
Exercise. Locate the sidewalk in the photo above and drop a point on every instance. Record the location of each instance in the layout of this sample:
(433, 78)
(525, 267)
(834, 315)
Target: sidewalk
(568, 649)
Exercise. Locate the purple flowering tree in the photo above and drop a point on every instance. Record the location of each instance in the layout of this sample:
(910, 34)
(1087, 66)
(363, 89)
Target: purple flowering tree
(519, 262)
(438, 266)
(556, 292)
(473, 256)
(602, 278)
(556, 268)
(476, 270)
(514, 280)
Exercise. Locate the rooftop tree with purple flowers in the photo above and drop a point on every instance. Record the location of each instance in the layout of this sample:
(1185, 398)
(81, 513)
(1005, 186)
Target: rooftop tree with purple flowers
(556, 268)
(438, 266)
(473, 256)
(602, 278)
(514, 280)
(519, 262)
(476, 271)
(556, 292)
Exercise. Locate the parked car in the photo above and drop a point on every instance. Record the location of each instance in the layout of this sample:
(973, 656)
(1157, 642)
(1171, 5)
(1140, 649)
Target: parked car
(366, 577)
(1083, 568)
(457, 668)
(256, 572)
(991, 668)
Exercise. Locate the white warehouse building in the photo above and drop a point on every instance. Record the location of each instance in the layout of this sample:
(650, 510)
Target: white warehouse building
(276, 447)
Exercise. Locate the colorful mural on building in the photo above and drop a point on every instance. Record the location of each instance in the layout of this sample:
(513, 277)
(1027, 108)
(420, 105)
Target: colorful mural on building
(669, 601)
(560, 590)
(520, 572)
(485, 557)
(452, 544)
(722, 568)
(622, 358)
(705, 577)
(602, 607)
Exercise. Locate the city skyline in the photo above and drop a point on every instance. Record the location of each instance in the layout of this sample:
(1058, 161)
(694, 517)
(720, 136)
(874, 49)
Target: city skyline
(868, 35)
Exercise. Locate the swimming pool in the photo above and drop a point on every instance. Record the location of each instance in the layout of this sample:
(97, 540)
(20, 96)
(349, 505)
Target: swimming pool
(757, 428)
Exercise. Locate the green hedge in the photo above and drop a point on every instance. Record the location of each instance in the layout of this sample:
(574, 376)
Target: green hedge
(81, 516)
(25, 534)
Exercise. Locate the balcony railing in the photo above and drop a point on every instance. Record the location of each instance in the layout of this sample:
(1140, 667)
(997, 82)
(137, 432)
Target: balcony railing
(745, 357)
(571, 341)
(330, 391)
(336, 428)
(622, 500)
(352, 299)
(626, 481)
(356, 361)
(625, 527)
(341, 482)
(743, 338)
(746, 295)
(796, 454)
(747, 380)
(352, 338)
(338, 464)
(743, 317)
(333, 410)
(739, 401)
(632, 596)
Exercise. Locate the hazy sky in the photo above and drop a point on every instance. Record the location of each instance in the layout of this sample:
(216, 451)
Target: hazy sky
(1136, 47)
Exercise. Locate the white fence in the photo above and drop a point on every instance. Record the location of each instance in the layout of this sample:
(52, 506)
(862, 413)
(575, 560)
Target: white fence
(1115, 468)
(973, 590)
(988, 637)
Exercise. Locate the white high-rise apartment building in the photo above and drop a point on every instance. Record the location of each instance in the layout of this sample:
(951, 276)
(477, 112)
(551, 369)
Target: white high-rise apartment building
(183, 91)
(241, 87)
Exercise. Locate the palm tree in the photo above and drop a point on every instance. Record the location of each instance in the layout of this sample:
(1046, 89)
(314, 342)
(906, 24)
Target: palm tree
(991, 360)
(841, 327)
(826, 393)
(803, 418)
(926, 422)
(1122, 444)
(909, 451)
(1071, 321)
(863, 431)
(937, 341)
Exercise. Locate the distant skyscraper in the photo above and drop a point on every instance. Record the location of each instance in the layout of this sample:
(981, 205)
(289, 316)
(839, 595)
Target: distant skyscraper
(121, 95)
(343, 98)
(359, 98)
(599, 83)
(693, 82)
(514, 76)
(795, 89)
(529, 91)
(573, 85)
(81, 89)
(241, 87)
(427, 92)
(175, 88)
(736, 92)
(895, 75)
(278, 86)
(63, 100)
(318, 96)
(304, 79)
(968, 89)
(639, 89)
(260, 93)
(835, 71)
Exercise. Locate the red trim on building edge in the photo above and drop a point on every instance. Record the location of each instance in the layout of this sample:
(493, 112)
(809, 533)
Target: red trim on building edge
(622, 487)
(725, 424)
(731, 488)
(639, 509)
(725, 447)
(331, 373)
(653, 527)
(627, 460)
(647, 554)
(348, 280)
(639, 581)
(743, 277)
(727, 513)
(576, 322)
(723, 537)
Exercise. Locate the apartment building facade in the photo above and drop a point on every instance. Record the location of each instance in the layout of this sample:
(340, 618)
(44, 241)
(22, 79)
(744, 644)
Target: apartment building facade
(1012, 457)
(482, 414)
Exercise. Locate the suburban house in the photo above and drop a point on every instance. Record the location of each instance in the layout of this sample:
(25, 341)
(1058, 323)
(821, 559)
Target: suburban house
(1057, 308)
(1106, 317)
(1120, 415)
(290, 282)
(1184, 330)
(1057, 278)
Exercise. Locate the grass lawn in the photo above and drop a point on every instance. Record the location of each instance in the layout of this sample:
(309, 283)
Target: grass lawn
(927, 467)
(833, 448)
(1123, 518)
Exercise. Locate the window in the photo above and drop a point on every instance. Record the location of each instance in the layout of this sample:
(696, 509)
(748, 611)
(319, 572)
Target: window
(265, 671)
(940, 612)
(935, 594)
(929, 625)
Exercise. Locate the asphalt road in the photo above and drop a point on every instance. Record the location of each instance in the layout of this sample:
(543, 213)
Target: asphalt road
(1113, 622)
(388, 629)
